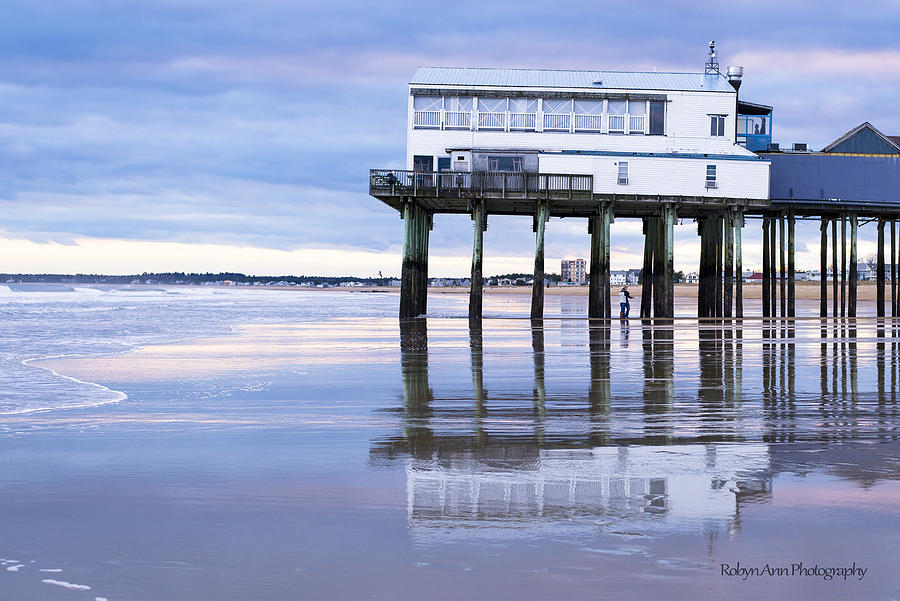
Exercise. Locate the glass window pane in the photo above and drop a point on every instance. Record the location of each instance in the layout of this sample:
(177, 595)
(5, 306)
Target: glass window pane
(657, 118)
(427, 103)
(637, 107)
(492, 105)
(616, 107)
(460, 104)
(523, 105)
(557, 106)
(589, 107)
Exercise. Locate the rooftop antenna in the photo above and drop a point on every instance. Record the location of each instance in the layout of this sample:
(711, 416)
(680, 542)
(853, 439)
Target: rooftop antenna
(712, 63)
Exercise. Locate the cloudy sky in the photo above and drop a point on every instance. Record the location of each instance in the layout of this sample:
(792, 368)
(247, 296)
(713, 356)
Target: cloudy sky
(208, 135)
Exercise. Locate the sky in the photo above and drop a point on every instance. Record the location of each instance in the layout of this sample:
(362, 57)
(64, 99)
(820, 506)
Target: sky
(217, 135)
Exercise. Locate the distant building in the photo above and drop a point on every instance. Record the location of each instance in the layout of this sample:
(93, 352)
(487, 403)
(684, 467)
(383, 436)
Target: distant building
(691, 278)
(618, 278)
(572, 271)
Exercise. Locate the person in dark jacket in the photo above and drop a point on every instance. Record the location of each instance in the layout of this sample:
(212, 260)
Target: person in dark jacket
(624, 305)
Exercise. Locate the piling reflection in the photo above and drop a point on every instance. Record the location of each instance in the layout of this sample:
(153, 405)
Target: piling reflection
(682, 428)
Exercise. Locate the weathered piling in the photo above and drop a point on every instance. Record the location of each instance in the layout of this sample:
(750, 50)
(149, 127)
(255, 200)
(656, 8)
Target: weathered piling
(843, 265)
(879, 271)
(649, 225)
(663, 265)
(773, 267)
(720, 244)
(823, 268)
(854, 274)
(598, 292)
(738, 267)
(414, 271)
(782, 272)
(791, 289)
(537, 288)
(835, 300)
(475, 287)
(893, 270)
(706, 293)
(766, 306)
(729, 264)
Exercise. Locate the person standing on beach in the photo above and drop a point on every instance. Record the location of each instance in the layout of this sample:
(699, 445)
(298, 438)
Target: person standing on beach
(624, 305)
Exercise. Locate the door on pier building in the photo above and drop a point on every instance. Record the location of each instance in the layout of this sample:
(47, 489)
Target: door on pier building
(423, 166)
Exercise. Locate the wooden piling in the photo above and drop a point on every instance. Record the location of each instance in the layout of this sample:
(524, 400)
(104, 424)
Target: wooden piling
(537, 288)
(766, 306)
(823, 267)
(729, 264)
(414, 271)
(835, 300)
(854, 274)
(738, 267)
(706, 290)
(782, 279)
(893, 269)
(649, 224)
(719, 248)
(843, 265)
(773, 267)
(605, 220)
(475, 287)
(791, 292)
(598, 293)
(663, 266)
(879, 271)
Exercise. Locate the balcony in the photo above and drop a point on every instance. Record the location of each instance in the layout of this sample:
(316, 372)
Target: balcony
(557, 121)
(593, 123)
(636, 124)
(522, 121)
(491, 120)
(427, 119)
(617, 124)
(458, 119)
(490, 184)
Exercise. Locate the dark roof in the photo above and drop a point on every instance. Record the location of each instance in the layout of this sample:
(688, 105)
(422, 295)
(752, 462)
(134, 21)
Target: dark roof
(864, 139)
(752, 108)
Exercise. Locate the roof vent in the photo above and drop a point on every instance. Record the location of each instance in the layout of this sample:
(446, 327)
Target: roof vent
(597, 82)
(800, 146)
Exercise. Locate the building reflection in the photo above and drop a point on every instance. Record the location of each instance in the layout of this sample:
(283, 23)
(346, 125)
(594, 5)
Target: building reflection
(657, 451)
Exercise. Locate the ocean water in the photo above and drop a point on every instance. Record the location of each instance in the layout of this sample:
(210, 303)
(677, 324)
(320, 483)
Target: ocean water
(264, 444)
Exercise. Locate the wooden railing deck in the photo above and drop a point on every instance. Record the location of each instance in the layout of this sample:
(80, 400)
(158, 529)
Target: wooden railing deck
(491, 184)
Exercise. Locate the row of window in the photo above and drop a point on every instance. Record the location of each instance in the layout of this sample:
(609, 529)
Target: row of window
(622, 178)
(540, 114)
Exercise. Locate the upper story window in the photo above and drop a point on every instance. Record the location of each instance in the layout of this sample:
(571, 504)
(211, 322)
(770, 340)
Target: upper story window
(523, 113)
(457, 112)
(623, 173)
(717, 125)
(711, 176)
(492, 113)
(617, 110)
(557, 114)
(588, 115)
(427, 111)
(657, 118)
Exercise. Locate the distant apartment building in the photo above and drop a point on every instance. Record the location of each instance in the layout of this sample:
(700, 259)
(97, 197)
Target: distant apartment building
(573, 271)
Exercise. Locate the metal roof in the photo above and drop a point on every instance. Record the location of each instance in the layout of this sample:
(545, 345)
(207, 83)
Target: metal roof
(594, 80)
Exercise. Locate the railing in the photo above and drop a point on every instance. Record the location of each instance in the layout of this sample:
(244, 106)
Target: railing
(459, 184)
(617, 123)
(458, 119)
(491, 120)
(588, 122)
(556, 121)
(427, 119)
(636, 124)
(522, 120)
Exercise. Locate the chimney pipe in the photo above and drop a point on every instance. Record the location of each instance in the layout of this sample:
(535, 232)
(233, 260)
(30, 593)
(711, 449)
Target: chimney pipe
(734, 77)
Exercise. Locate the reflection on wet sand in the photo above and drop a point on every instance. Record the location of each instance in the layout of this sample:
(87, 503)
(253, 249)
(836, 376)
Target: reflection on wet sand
(699, 430)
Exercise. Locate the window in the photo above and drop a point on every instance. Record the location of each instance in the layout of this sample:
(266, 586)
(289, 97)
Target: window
(717, 125)
(556, 114)
(711, 176)
(427, 111)
(422, 163)
(522, 113)
(657, 118)
(500, 163)
(623, 173)
(588, 115)
(616, 110)
(491, 113)
(637, 110)
(443, 163)
(458, 114)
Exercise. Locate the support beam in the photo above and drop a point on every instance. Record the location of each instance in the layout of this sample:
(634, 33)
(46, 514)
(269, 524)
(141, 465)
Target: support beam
(854, 274)
(823, 268)
(738, 267)
(475, 287)
(414, 271)
(879, 271)
(773, 267)
(663, 266)
(647, 267)
(835, 300)
(720, 244)
(843, 265)
(893, 269)
(598, 294)
(537, 288)
(766, 306)
(729, 263)
(706, 301)
(782, 275)
(791, 291)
